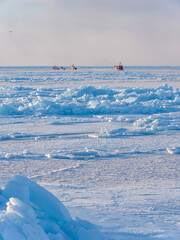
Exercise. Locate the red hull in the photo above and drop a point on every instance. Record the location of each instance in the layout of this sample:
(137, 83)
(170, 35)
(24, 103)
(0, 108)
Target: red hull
(118, 68)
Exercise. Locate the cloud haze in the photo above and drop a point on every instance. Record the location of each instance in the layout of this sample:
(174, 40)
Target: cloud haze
(91, 32)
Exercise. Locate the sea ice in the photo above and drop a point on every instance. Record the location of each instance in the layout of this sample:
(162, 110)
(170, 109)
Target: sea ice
(34, 213)
(105, 143)
(90, 100)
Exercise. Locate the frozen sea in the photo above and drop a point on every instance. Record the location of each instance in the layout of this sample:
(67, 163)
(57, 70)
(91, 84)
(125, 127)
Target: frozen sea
(106, 143)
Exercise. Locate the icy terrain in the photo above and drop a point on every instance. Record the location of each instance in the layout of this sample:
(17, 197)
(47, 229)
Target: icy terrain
(34, 213)
(105, 143)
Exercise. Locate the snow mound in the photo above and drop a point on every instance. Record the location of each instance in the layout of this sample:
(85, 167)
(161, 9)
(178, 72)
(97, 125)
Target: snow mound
(28, 211)
(173, 150)
(157, 123)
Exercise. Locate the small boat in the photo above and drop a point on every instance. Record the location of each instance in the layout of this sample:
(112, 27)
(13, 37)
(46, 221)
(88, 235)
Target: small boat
(55, 67)
(58, 68)
(118, 67)
(73, 67)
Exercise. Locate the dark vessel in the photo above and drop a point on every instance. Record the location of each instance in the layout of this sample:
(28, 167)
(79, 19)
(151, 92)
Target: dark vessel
(57, 68)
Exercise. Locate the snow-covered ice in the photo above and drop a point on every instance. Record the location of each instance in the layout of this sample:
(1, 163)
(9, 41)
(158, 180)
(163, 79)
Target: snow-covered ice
(100, 150)
(34, 213)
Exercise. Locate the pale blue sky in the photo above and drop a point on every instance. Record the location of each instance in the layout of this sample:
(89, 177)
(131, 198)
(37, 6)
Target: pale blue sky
(89, 32)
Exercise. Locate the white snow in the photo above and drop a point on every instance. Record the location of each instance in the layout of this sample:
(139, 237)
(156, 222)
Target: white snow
(174, 150)
(34, 213)
(100, 150)
(88, 100)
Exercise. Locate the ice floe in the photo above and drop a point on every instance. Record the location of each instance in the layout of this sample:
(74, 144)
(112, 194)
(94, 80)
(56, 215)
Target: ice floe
(28, 211)
(88, 101)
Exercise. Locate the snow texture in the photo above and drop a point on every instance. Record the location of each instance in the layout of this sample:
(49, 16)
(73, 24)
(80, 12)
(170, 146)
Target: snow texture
(88, 101)
(100, 149)
(34, 213)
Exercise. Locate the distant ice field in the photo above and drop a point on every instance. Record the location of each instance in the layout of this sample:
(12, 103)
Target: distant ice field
(96, 76)
(105, 142)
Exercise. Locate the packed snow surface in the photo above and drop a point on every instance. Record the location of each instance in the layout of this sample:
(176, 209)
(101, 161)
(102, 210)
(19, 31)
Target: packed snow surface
(100, 149)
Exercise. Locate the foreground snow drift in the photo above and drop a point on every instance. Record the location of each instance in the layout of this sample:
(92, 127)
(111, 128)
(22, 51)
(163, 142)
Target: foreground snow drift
(28, 211)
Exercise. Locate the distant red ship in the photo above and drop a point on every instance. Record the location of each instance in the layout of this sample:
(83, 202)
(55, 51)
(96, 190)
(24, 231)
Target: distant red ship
(118, 67)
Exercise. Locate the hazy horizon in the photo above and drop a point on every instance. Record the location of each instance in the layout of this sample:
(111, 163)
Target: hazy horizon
(100, 66)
